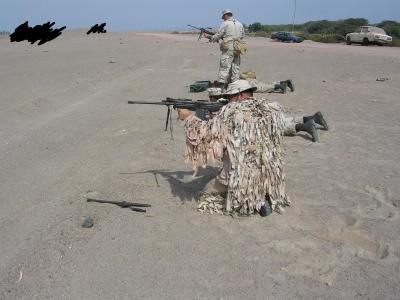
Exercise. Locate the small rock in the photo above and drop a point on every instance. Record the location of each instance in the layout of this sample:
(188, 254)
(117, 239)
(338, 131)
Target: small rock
(328, 283)
(382, 79)
(385, 252)
(88, 222)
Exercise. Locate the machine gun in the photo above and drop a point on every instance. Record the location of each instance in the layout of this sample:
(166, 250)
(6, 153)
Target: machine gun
(202, 31)
(203, 108)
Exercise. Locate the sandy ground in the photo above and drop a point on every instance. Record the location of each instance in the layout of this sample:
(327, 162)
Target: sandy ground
(66, 132)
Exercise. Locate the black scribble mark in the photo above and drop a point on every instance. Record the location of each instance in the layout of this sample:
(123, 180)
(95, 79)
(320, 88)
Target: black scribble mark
(97, 29)
(43, 33)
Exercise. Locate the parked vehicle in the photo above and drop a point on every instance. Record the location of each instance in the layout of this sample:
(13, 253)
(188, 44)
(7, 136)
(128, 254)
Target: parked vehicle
(285, 36)
(368, 35)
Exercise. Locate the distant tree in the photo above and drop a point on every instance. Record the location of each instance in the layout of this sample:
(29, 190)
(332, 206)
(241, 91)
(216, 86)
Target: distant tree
(343, 27)
(323, 26)
(356, 21)
(255, 27)
(391, 27)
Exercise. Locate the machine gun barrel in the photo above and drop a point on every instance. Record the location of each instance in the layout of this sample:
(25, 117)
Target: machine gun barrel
(203, 108)
(144, 102)
(202, 31)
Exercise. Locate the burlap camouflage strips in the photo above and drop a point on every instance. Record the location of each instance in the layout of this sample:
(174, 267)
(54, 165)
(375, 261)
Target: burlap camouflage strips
(250, 132)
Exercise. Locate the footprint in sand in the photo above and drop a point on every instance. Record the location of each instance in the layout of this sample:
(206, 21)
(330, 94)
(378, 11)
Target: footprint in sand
(384, 208)
(344, 229)
(120, 132)
(365, 245)
(381, 197)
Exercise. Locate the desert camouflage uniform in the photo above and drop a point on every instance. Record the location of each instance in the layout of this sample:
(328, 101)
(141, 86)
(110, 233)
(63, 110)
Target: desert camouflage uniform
(262, 87)
(289, 122)
(229, 67)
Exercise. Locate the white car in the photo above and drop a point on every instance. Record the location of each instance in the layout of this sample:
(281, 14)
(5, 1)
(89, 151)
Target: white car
(368, 35)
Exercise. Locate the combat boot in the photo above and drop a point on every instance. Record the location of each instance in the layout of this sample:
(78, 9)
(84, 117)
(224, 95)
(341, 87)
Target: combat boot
(290, 85)
(266, 209)
(281, 86)
(310, 128)
(318, 118)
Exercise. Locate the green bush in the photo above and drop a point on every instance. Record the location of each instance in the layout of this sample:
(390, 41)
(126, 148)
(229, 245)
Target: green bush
(394, 43)
(315, 27)
(259, 33)
(391, 27)
(255, 27)
(324, 38)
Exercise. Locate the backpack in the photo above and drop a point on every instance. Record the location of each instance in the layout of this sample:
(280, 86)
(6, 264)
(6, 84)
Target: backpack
(239, 47)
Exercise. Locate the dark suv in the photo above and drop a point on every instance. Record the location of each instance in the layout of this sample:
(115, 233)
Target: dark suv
(285, 36)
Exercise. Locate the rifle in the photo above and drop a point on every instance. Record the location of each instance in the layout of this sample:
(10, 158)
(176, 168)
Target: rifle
(133, 206)
(202, 31)
(203, 108)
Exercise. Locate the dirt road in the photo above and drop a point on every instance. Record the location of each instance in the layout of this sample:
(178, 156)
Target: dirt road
(66, 133)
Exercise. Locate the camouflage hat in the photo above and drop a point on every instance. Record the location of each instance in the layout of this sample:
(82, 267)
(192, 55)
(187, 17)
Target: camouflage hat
(212, 92)
(239, 86)
(226, 11)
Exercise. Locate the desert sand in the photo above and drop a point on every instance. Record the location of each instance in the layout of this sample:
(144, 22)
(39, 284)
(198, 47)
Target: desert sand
(66, 133)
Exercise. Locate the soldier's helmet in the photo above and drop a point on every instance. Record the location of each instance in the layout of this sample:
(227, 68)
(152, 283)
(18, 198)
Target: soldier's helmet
(226, 11)
(239, 86)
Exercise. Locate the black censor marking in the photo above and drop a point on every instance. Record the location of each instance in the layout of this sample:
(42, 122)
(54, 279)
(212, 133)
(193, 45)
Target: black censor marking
(97, 29)
(42, 33)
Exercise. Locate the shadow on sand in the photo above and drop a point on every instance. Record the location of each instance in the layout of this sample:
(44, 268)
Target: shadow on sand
(182, 184)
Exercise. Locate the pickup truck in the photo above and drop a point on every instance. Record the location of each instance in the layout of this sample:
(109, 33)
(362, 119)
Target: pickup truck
(368, 35)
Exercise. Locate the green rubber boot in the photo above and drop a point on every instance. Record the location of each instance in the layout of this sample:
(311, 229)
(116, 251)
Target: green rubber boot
(319, 119)
(281, 87)
(310, 128)
(290, 85)
(266, 209)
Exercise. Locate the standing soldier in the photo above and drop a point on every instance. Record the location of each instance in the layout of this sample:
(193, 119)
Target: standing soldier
(229, 37)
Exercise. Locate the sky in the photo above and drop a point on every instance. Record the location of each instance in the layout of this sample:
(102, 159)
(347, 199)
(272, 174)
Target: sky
(123, 15)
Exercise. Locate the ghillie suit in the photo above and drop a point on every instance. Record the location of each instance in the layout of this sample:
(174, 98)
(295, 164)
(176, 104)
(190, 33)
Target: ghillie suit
(245, 136)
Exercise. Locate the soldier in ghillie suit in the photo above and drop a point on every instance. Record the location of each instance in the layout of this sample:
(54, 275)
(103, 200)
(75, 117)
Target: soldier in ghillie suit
(245, 137)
